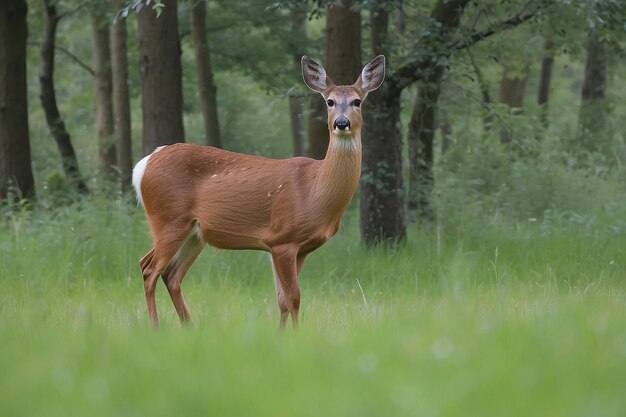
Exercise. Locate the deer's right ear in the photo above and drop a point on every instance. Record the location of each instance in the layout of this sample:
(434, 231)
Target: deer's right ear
(315, 76)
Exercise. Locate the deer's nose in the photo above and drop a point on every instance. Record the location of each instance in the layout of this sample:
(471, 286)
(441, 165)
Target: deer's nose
(341, 123)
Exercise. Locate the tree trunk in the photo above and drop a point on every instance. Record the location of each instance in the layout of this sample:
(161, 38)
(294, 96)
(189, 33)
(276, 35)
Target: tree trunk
(16, 175)
(343, 64)
(206, 87)
(445, 129)
(317, 129)
(103, 88)
(421, 138)
(512, 88)
(160, 74)
(593, 109)
(545, 78)
(296, 108)
(49, 103)
(595, 70)
(400, 19)
(296, 102)
(382, 190)
(484, 92)
(444, 18)
(343, 43)
(121, 99)
(511, 93)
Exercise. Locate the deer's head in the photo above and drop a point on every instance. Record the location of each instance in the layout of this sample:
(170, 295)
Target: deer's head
(344, 101)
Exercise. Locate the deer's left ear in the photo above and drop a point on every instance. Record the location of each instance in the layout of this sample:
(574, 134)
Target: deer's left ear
(372, 75)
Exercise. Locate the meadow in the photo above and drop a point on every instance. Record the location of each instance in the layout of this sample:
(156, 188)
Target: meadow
(500, 318)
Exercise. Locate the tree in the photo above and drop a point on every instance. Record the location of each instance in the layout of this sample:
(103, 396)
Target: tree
(592, 108)
(15, 160)
(263, 40)
(296, 102)
(484, 93)
(442, 37)
(103, 89)
(605, 37)
(343, 61)
(121, 98)
(160, 74)
(511, 93)
(425, 62)
(543, 95)
(382, 190)
(444, 20)
(206, 87)
(49, 102)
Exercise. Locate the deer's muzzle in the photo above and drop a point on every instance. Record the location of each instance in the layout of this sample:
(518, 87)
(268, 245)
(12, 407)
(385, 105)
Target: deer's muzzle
(341, 123)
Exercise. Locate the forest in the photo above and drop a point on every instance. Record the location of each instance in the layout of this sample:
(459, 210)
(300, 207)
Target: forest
(479, 268)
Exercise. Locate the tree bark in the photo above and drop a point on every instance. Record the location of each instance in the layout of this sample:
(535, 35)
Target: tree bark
(206, 86)
(513, 87)
(543, 95)
(16, 175)
(421, 138)
(484, 92)
(121, 99)
(317, 129)
(382, 190)
(103, 88)
(343, 64)
(593, 110)
(160, 74)
(595, 70)
(49, 103)
(296, 102)
(444, 18)
(296, 109)
(511, 93)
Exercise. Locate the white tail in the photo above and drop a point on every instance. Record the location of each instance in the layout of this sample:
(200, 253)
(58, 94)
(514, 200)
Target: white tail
(196, 195)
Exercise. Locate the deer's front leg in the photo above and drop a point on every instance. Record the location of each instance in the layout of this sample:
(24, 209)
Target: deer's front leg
(284, 259)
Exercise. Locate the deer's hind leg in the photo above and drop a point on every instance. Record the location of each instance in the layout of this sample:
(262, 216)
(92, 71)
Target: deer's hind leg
(167, 242)
(178, 267)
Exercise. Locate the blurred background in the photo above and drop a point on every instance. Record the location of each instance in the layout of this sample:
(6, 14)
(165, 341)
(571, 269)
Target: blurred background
(491, 109)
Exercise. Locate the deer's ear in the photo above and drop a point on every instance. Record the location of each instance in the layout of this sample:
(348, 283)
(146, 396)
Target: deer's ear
(372, 75)
(315, 76)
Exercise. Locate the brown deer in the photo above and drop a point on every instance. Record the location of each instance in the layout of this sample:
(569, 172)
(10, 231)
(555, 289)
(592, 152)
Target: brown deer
(196, 195)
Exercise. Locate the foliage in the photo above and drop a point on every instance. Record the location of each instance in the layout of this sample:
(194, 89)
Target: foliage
(254, 117)
(137, 5)
(257, 40)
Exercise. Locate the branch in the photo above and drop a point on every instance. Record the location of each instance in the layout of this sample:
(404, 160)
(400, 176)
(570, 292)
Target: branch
(409, 73)
(70, 55)
(70, 12)
(512, 22)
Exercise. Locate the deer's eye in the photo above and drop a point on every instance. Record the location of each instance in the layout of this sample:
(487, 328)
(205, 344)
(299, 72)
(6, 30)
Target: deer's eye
(357, 103)
(330, 102)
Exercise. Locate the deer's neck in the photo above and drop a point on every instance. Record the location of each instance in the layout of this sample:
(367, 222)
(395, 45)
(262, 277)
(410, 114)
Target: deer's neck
(339, 173)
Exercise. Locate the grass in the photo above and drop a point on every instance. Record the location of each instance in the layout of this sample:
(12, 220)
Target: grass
(508, 319)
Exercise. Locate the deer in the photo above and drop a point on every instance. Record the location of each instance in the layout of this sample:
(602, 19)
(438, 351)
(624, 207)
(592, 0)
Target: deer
(196, 195)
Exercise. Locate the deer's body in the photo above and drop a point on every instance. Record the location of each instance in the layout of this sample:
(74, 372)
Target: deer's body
(197, 195)
(249, 202)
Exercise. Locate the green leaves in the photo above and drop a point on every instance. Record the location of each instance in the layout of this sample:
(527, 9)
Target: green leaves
(137, 5)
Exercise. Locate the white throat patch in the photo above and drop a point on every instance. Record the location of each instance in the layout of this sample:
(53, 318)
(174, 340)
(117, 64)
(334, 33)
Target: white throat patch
(344, 143)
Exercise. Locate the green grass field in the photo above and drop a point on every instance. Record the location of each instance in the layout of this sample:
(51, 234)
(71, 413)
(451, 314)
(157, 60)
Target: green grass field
(503, 319)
